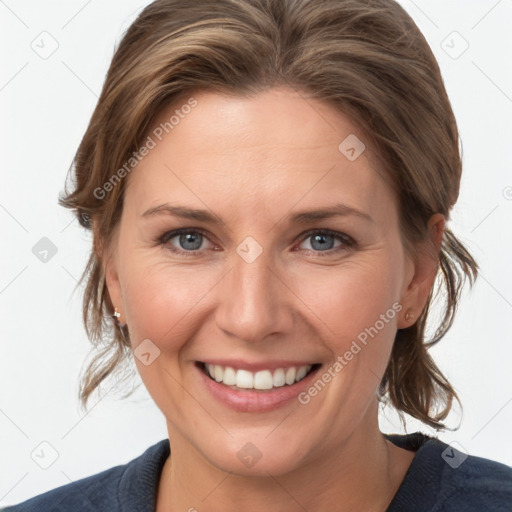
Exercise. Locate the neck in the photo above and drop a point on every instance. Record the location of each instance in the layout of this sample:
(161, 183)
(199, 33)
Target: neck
(362, 473)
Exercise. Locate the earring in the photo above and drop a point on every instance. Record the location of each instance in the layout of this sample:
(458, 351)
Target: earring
(408, 315)
(123, 328)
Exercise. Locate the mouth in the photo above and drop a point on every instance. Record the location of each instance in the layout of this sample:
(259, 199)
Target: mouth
(265, 380)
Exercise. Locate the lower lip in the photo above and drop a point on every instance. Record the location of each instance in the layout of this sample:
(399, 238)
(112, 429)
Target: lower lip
(256, 400)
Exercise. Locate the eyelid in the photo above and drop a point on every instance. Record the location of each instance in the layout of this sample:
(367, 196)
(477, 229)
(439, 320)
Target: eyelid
(347, 239)
(175, 232)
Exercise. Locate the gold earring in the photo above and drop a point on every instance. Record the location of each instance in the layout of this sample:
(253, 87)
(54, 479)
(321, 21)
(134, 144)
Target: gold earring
(408, 315)
(116, 314)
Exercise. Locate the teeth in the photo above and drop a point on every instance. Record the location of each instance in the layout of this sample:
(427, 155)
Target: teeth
(278, 379)
(290, 376)
(301, 373)
(229, 376)
(263, 379)
(244, 379)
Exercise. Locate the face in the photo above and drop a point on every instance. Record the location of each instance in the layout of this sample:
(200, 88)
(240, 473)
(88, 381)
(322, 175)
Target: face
(250, 241)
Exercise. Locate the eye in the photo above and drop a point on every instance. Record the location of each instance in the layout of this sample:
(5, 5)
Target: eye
(192, 241)
(185, 241)
(326, 241)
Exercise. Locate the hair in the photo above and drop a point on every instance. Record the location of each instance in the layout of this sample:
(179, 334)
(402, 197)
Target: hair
(366, 58)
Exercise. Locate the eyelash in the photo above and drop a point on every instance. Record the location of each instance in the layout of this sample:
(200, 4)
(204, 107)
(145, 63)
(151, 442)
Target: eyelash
(347, 241)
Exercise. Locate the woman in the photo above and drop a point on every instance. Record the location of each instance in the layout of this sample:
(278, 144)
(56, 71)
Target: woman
(268, 184)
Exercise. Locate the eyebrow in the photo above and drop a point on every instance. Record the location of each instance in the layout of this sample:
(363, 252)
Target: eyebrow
(304, 217)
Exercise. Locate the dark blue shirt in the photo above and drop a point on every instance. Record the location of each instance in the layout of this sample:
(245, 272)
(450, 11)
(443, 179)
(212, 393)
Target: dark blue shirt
(440, 479)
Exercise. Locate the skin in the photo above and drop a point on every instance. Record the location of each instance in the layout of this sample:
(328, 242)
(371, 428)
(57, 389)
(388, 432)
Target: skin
(253, 162)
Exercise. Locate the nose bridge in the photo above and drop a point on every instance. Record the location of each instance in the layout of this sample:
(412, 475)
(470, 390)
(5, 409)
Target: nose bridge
(252, 304)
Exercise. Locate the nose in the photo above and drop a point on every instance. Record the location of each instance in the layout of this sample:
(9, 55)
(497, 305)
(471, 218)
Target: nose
(254, 301)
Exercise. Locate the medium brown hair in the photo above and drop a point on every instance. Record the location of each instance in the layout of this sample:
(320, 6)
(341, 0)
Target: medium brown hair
(366, 58)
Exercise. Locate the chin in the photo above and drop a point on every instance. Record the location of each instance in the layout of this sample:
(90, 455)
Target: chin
(258, 458)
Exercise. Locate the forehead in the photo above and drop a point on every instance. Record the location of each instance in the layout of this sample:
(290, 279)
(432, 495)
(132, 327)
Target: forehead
(277, 119)
(276, 144)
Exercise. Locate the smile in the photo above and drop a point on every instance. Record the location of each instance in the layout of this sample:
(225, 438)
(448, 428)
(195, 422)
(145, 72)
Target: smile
(255, 387)
(261, 380)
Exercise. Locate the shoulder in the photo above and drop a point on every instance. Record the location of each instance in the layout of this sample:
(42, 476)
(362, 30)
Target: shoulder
(476, 484)
(121, 488)
(84, 494)
(444, 478)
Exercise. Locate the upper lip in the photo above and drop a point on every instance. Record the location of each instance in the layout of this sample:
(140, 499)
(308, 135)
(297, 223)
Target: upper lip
(240, 364)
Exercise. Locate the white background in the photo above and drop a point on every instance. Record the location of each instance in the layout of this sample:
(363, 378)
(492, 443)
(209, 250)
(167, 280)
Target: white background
(46, 105)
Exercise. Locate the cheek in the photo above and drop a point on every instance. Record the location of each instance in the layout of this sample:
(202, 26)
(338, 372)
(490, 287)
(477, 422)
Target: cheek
(357, 308)
(354, 296)
(161, 299)
(163, 303)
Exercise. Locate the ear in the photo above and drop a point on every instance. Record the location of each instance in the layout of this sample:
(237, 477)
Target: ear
(420, 279)
(114, 297)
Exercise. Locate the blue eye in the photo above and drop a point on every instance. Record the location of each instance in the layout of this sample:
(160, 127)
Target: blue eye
(321, 242)
(187, 240)
(190, 241)
(324, 241)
